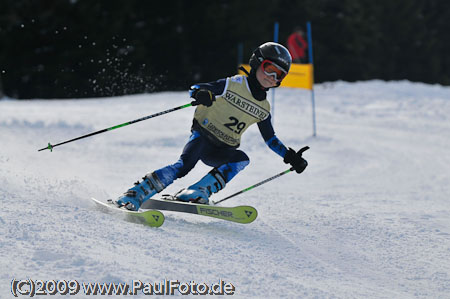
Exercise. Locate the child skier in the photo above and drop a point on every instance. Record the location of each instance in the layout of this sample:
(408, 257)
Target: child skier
(225, 109)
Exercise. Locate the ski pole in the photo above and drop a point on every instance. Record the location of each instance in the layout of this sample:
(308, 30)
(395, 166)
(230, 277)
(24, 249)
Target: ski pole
(255, 185)
(300, 152)
(50, 146)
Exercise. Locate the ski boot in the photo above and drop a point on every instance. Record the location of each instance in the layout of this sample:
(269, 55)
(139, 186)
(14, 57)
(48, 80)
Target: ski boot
(133, 198)
(201, 191)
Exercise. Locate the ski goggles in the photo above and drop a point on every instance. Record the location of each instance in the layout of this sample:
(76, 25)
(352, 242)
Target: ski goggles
(272, 69)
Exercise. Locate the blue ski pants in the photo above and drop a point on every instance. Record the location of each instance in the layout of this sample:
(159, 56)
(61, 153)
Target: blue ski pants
(228, 161)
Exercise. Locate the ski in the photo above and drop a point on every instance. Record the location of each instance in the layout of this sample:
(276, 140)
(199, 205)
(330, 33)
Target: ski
(239, 214)
(151, 218)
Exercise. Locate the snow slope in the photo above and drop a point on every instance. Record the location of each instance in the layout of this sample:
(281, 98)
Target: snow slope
(369, 218)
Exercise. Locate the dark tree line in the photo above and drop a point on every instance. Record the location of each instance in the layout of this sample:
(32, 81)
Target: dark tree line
(85, 48)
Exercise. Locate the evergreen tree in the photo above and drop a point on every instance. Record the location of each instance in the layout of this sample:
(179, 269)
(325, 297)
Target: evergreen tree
(82, 48)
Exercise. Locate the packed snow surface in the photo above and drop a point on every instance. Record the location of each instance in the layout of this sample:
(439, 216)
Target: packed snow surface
(369, 218)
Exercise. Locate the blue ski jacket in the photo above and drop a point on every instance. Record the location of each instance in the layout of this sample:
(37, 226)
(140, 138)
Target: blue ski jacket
(259, 93)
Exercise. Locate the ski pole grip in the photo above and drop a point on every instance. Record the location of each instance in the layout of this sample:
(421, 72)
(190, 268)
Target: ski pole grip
(303, 149)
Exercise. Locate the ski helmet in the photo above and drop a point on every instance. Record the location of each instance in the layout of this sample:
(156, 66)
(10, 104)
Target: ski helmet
(271, 51)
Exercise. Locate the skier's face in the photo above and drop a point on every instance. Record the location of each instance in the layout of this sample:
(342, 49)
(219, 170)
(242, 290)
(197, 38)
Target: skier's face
(265, 80)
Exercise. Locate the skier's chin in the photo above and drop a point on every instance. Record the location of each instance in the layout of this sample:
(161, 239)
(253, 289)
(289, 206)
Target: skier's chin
(268, 83)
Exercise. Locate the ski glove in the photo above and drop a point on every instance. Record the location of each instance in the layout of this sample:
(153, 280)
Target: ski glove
(202, 97)
(295, 159)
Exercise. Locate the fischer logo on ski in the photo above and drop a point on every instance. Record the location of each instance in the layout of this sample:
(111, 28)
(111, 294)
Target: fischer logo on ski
(215, 212)
(248, 213)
